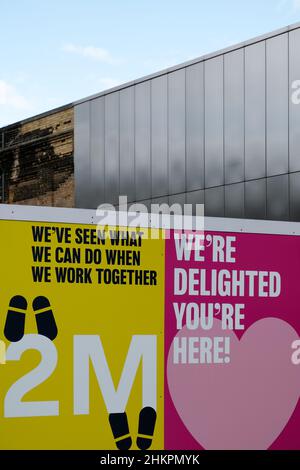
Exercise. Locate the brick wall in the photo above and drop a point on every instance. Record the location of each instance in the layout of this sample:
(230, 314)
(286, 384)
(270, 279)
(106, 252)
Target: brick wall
(36, 158)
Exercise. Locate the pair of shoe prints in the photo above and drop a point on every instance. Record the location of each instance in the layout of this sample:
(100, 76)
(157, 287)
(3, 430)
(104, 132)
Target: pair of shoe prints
(46, 325)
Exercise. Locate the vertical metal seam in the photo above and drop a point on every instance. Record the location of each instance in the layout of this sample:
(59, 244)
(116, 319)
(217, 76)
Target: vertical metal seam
(132, 175)
(102, 192)
(266, 110)
(202, 184)
(75, 199)
(168, 135)
(121, 155)
(187, 141)
(104, 148)
(225, 181)
(88, 193)
(121, 92)
(204, 133)
(134, 142)
(150, 137)
(119, 143)
(185, 135)
(223, 117)
(266, 131)
(288, 118)
(244, 126)
(166, 123)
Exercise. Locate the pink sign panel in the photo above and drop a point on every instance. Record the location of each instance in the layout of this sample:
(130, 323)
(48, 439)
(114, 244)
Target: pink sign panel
(232, 349)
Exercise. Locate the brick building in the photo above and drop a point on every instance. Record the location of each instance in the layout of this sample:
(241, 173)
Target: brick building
(36, 160)
(223, 130)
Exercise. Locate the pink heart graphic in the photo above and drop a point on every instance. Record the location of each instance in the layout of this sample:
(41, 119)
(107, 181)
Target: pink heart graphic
(244, 404)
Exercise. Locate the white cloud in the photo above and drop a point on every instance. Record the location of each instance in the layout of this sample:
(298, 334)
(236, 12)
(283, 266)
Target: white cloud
(10, 97)
(90, 52)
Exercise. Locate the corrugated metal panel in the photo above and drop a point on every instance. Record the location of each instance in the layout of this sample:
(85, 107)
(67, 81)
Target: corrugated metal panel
(278, 197)
(176, 116)
(142, 206)
(195, 127)
(234, 121)
(235, 200)
(142, 141)
(177, 137)
(195, 197)
(255, 112)
(82, 156)
(112, 154)
(97, 139)
(159, 136)
(294, 110)
(214, 161)
(214, 202)
(127, 180)
(164, 201)
(295, 196)
(256, 199)
(277, 105)
(177, 199)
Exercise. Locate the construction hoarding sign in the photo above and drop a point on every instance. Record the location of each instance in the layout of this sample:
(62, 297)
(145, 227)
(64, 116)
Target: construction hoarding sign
(111, 338)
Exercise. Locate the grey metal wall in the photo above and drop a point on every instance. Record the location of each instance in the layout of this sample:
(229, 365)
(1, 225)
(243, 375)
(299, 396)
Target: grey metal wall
(222, 131)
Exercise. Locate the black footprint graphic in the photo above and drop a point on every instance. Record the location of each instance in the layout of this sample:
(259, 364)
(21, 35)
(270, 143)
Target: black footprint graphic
(15, 319)
(147, 422)
(120, 429)
(44, 317)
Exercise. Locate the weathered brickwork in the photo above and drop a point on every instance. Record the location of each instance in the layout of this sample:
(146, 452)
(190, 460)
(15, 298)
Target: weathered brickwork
(36, 158)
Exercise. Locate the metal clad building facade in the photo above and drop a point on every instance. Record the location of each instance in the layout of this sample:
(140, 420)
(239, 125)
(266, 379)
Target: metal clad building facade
(221, 130)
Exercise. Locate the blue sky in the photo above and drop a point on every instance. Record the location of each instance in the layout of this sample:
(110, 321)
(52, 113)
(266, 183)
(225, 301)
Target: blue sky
(54, 52)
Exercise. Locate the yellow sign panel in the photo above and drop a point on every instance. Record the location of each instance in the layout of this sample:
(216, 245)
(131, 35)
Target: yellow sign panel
(82, 317)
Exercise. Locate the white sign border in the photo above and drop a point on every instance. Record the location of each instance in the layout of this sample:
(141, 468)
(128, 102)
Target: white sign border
(88, 216)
